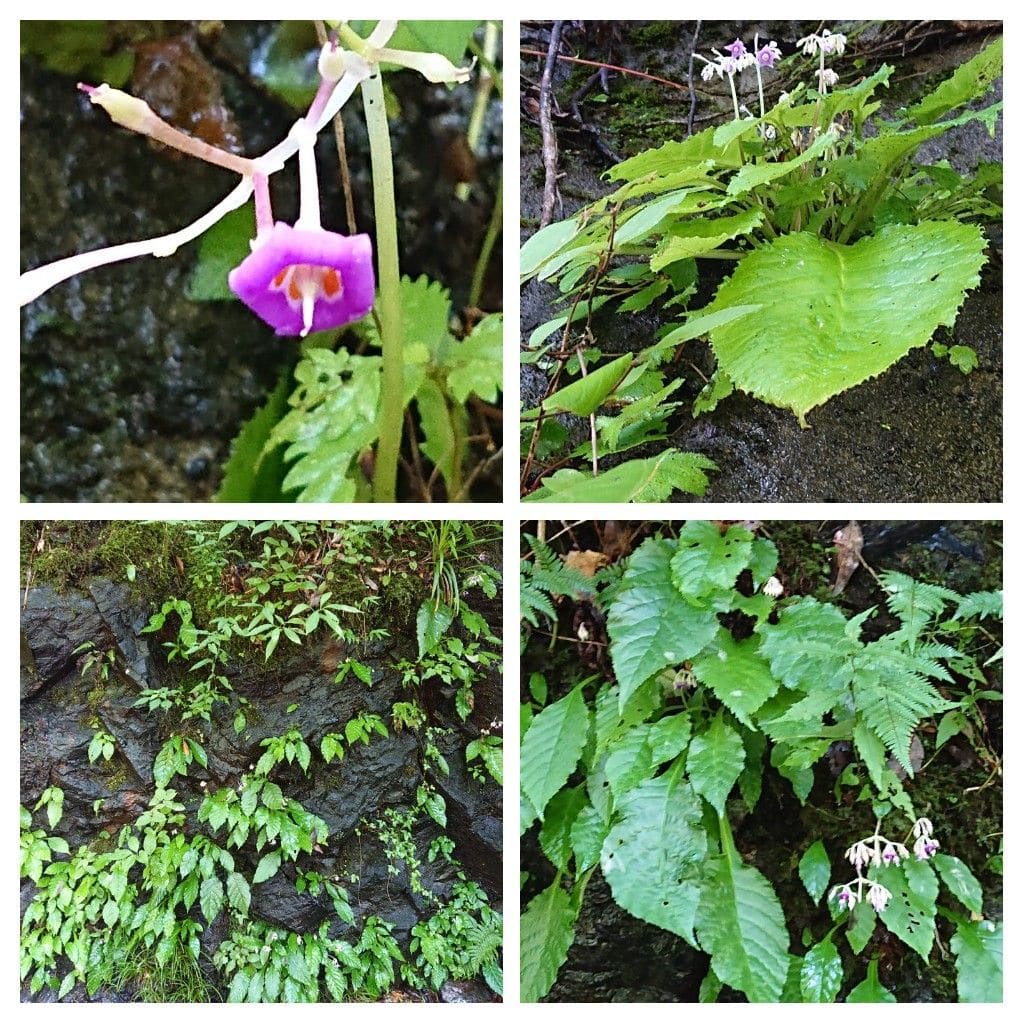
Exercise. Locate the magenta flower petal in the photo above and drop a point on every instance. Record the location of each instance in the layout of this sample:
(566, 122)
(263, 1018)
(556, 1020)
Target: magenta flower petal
(299, 280)
(736, 49)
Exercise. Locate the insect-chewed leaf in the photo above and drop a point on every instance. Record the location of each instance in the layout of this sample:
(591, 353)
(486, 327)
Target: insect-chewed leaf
(833, 316)
(651, 855)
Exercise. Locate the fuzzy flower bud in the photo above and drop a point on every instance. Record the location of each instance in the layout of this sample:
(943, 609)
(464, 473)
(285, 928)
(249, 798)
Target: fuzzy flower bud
(126, 110)
(773, 586)
(826, 78)
(879, 896)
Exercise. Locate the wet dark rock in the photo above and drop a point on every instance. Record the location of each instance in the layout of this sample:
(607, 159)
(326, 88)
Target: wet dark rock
(465, 992)
(54, 625)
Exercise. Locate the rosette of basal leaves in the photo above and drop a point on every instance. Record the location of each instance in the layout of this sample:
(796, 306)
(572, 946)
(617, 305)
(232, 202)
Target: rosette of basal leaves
(832, 316)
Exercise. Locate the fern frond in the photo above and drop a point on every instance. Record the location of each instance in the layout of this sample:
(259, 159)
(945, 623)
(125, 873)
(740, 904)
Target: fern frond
(533, 600)
(982, 605)
(483, 942)
(914, 603)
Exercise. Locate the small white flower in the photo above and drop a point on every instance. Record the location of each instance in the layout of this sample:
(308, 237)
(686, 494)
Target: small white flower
(298, 939)
(879, 896)
(273, 936)
(826, 78)
(773, 586)
(832, 42)
(202, 785)
(859, 855)
(890, 854)
(252, 767)
(809, 45)
(708, 71)
(845, 897)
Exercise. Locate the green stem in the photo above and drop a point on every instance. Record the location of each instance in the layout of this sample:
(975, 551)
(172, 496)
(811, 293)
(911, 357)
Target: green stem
(480, 270)
(392, 386)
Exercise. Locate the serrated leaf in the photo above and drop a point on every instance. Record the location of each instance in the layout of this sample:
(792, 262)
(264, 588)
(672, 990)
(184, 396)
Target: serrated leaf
(586, 395)
(543, 244)
(978, 947)
(862, 926)
(741, 924)
(970, 80)
(238, 892)
(737, 674)
(669, 737)
(653, 851)
(959, 880)
(696, 237)
(809, 643)
(221, 249)
(650, 625)
(629, 761)
(821, 973)
(639, 480)
(910, 914)
(211, 897)
(706, 560)
(834, 315)
(815, 870)
(432, 622)
(546, 931)
(752, 175)
(267, 867)
(714, 762)
(166, 764)
(551, 748)
(111, 913)
(588, 834)
(555, 833)
(475, 364)
(239, 986)
(871, 990)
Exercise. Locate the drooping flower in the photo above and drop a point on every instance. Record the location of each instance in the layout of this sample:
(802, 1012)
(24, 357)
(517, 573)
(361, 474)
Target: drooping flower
(845, 897)
(832, 42)
(826, 78)
(302, 279)
(879, 896)
(923, 827)
(889, 854)
(859, 855)
(925, 847)
(773, 587)
(768, 55)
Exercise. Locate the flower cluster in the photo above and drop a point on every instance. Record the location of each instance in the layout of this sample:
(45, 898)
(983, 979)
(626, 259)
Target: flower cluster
(737, 57)
(826, 44)
(877, 851)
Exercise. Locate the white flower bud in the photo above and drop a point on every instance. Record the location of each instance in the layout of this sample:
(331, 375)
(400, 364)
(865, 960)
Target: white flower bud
(773, 586)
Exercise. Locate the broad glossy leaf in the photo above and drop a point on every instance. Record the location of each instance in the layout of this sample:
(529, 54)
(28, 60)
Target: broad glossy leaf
(714, 762)
(551, 748)
(652, 853)
(959, 880)
(741, 924)
(862, 927)
(267, 867)
(650, 625)
(978, 946)
(910, 914)
(815, 870)
(871, 990)
(654, 479)
(821, 973)
(238, 892)
(546, 932)
(834, 315)
(740, 678)
(432, 622)
(543, 244)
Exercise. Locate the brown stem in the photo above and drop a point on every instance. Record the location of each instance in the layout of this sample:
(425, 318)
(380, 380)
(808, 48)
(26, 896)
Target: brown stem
(549, 145)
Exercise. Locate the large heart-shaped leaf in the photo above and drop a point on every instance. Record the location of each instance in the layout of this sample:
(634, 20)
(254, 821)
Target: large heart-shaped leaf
(833, 316)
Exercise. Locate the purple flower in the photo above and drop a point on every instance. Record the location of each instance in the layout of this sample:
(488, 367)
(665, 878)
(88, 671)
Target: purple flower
(925, 847)
(303, 279)
(768, 55)
(889, 854)
(846, 898)
(736, 49)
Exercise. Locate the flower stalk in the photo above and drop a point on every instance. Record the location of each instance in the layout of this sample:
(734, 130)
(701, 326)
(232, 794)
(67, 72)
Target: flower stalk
(392, 390)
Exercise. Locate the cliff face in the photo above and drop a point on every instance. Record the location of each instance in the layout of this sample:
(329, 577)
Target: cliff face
(64, 703)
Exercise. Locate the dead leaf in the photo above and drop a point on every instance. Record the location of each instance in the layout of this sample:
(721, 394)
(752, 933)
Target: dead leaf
(849, 542)
(586, 562)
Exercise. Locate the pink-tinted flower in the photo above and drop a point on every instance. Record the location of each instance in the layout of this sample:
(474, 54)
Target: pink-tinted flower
(768, 55)
(845, 897)
(302, 279)
(736, 50)
(889, 854)
(925, 847)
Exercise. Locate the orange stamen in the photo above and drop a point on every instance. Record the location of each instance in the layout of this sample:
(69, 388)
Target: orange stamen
(279, 280)
(331, 284)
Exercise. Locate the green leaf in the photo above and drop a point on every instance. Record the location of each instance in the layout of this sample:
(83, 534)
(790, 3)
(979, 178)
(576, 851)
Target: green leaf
(555, 833)
(970, 81)
(809, 643)
(978, 947)
(669, 737)
(551, 748)
(546, 931)
(543, 244)
(714, 763)
(111, 913)
(448, 38)
(475, 364)
(740, 678)
(815, 870)
(870, 990)
(959, 881)
(653, 852)
(650, 625)
(862, 926)
(432, 622)
(287, 69)
(833, 315)
(750, 176)
(741, 924)
(696, 237)
(653, 479)
(86, 49)
(588, 833)
(706, 560)
(629, 761)
(211, 897)
(239, 986)
(254, 473)
(951, 723)
(821, 974)
(267, 867)
(221, 249)
(166, 764)
(698, 325)
(586, 395)
(238, 892)
(910, 914)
